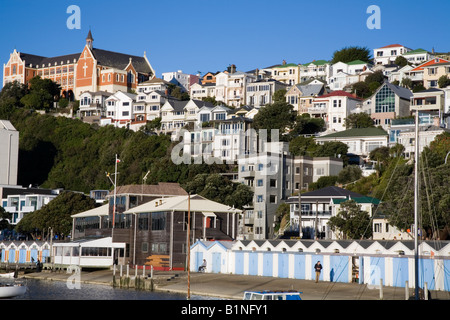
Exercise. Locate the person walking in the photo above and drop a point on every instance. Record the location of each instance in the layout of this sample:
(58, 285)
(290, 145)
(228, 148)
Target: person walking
(318, 269)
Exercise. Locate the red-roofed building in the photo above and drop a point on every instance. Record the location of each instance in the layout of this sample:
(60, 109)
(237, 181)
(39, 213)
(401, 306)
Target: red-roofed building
(387, 54)
(334, 107)
(428, 72)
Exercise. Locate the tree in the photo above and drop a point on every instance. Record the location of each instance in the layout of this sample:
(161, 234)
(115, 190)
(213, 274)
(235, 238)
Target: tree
(43, 92)
(323, 182)
(10, 97)
(332, 149)
(377, 76)
(361, 89)
(302, 146)
(278, 115)
(401, 61)
(407, 83)
(304, 124)
(56, 214)
(349, 54)
(279, 95)
(349, 174)
(443, 81)
(219, 188)
(359, 120)
(353, 222)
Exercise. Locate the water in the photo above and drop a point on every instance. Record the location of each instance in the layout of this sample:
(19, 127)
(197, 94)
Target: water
(58, 290)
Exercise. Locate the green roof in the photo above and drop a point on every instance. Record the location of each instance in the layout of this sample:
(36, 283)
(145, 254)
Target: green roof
(357, 132)
(316, 62)
(286, 65)
(358, 200)
(415, 52)
(356, 62)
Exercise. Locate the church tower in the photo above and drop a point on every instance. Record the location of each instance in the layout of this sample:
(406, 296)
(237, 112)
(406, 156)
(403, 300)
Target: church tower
(89, 40)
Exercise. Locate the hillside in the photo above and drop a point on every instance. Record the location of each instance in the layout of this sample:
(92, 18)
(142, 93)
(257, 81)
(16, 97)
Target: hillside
(56, 152)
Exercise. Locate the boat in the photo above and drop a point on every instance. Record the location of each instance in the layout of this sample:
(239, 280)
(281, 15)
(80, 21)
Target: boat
(272, 295)
(7, 275)
(10, 290)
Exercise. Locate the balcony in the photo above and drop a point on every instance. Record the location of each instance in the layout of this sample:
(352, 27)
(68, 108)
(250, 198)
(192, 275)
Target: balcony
(428, 101)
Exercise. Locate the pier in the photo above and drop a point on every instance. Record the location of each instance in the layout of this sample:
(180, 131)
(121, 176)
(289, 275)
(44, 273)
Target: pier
(228, 286)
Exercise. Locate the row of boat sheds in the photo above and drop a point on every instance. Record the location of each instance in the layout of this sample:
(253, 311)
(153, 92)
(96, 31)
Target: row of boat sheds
(367, 262)
(363, 261)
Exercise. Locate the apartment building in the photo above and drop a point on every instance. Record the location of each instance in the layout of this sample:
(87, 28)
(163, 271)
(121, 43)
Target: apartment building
(9, 153)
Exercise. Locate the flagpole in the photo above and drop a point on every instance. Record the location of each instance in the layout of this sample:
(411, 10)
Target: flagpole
(115, 194)
(189, 247)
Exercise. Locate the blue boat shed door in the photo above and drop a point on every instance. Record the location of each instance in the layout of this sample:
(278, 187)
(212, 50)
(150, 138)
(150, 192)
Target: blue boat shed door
(216, 262)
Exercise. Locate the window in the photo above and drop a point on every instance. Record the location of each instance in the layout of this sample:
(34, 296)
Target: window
(273, 198)
(260, 183)
(385, 100)
(259, 198)
(125, 113)
(143, 221)
(320, 171)
(158, 221)
(273, 183)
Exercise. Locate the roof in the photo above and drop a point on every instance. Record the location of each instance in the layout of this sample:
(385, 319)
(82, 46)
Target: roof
(39, 60)
(6, 125)
(153, 81)
(416, 51)
(403, 93)
(355, 62)
(391, 46)
(99, 211)
(120, 60)
(428, 63)
(162, 188)
(358, 200)
(356, 132)
(316, 62)
(180, 203)
(340, 93)
(310, 89)
(332, 191)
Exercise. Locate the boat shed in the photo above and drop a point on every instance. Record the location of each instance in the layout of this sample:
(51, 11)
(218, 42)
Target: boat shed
(363, 261)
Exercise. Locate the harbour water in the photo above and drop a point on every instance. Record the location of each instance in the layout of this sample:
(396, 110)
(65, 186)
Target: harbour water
(58, 290)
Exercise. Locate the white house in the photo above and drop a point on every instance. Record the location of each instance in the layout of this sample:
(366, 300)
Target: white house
(200, 91)
(231, 86)
(318, 206)
(93, 105)
(418, 56)
(388, 54)
(19, 201)
(317, 69)
(183, 80)
(338, 105)
(361, 141)
(119, 108)
(343, 74)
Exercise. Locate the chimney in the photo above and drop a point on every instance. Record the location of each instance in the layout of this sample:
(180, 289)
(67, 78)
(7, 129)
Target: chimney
(284, 62)
(232, 68)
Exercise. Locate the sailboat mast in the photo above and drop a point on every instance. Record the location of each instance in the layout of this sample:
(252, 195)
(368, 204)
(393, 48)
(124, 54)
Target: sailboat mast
(416, 208)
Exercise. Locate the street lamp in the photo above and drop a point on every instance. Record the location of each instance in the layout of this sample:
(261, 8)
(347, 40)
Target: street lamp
(446, 157)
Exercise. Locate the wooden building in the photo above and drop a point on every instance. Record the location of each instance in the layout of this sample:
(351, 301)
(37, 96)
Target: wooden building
(151, 224)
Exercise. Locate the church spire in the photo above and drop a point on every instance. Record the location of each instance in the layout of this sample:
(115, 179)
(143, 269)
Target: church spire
(89, 39)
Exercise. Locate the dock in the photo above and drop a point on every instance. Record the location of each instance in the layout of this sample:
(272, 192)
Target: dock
(229, 286)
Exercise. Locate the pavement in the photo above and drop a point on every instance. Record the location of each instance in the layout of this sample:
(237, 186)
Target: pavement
(227, 286)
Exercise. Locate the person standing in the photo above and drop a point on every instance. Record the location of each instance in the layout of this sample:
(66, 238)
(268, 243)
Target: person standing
(318, 269)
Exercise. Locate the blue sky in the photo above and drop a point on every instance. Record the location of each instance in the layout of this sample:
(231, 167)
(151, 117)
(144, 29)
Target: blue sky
(209, 35)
